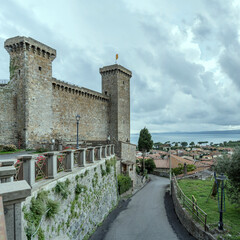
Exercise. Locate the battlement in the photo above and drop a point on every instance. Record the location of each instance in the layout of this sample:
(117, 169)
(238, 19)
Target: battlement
(18, 44)
(116, 68)
(74, 89)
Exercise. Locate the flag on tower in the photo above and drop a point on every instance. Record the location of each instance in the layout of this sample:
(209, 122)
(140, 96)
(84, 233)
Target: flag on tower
(117, 56)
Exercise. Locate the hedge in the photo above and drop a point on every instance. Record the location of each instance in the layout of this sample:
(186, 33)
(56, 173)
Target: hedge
(124, 183)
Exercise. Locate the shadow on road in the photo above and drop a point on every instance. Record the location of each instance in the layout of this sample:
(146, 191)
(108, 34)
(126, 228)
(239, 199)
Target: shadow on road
(176, 225)
(103, 229)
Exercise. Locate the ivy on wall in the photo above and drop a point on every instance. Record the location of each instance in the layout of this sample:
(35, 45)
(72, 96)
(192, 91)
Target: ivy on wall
(79, 197)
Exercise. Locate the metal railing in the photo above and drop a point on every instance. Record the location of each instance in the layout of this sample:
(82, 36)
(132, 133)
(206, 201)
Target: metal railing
(197, 213)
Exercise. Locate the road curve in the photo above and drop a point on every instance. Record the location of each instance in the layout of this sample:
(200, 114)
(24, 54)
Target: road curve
(145, 217)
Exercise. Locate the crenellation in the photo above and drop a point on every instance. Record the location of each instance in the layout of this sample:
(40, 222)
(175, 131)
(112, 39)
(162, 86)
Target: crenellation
(78, 90)
(18, 44)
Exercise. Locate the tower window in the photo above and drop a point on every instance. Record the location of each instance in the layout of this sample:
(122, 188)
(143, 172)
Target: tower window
(40, 68)
(123, 82)
(105, 92)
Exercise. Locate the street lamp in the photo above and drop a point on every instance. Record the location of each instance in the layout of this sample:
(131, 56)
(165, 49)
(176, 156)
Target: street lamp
(221, 178)
(170, 170)
(77, 118)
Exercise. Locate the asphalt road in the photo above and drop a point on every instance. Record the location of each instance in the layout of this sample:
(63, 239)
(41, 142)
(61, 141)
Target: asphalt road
(145, 217)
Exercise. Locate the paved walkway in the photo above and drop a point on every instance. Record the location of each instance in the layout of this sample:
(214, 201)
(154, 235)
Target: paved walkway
(12, 155)
(145, 217)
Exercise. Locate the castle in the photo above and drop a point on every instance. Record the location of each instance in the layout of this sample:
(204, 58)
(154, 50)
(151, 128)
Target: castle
(38, 109)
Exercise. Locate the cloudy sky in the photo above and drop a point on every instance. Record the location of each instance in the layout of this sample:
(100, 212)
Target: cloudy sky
(184, 55)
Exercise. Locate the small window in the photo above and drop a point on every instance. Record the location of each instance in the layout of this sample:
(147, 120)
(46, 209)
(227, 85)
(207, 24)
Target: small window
(105, 92)
(19, 72)
(123, 82)
(40, 68)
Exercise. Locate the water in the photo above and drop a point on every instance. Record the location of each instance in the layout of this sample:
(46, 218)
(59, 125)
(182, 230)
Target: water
(190, 137)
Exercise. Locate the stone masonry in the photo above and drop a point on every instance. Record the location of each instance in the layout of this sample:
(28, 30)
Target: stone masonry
(36, 108)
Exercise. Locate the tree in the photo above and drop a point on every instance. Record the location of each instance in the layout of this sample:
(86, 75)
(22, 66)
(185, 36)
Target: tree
(192, 144)
(231, 167)
(150, 165)
(145, 142)
(184, 144)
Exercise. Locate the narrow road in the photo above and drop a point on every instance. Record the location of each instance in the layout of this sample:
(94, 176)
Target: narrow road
(145, 217)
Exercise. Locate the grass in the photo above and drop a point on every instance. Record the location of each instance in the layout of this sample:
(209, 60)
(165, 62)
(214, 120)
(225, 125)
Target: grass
(201, 190)
(9, 152)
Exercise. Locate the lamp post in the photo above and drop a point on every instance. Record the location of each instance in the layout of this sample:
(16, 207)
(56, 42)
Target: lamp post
(170, 170)
(221, 178)
(77, 118)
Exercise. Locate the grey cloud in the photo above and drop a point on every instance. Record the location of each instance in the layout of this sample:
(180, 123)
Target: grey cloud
(203, 28)
(230, 63)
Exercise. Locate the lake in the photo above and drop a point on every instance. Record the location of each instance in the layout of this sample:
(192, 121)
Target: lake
(190, 137)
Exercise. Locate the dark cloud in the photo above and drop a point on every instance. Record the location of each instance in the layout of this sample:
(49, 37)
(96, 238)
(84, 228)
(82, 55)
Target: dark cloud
(230, 63)
(202, 28)
(184, 56)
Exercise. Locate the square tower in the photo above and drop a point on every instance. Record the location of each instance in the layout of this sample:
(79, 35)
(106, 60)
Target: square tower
(31, 81)
(116, 85)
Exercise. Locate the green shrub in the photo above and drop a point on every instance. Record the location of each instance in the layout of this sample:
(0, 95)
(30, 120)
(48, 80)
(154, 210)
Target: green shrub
(9, 148)
(149, 165)
(39, 206)
(41, 150)
(124, 183)
(180, 169)
(53, 208)
(80, 188)
(108, 167)
(190, 167)
(62, 188)
(138, 170)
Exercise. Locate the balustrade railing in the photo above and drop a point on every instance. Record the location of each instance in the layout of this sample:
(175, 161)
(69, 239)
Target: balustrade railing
(61, 159)
(19, 170)
(88, 156)
(48, 165)
(41, 168)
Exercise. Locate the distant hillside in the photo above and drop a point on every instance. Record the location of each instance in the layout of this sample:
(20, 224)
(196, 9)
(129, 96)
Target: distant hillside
(201, 132)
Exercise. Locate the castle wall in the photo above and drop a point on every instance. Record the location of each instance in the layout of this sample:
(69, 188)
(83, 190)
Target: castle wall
(128, 152)
(67, 102)
(39, 99)
(8, 131)
(46, 108)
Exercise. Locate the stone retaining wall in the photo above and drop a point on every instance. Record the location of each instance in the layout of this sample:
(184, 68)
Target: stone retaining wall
(192, 227)
(79, 214)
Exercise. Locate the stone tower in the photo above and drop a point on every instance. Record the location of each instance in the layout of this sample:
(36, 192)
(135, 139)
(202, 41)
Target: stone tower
(116, 85)
(31, 79)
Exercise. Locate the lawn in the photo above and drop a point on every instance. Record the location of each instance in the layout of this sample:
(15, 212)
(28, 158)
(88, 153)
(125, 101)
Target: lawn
(9, 152)
(201, 190)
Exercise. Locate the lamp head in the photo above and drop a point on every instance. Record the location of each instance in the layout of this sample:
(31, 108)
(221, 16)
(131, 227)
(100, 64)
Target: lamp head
(78, 117)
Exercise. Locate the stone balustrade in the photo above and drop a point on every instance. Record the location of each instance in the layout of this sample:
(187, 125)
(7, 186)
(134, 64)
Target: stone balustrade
(7, 173)
(31, 166)
(12, 194)
(99, 152)
(104, 151)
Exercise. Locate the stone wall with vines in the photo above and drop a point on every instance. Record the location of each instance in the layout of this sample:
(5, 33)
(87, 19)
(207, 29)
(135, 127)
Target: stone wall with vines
(73, 206)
